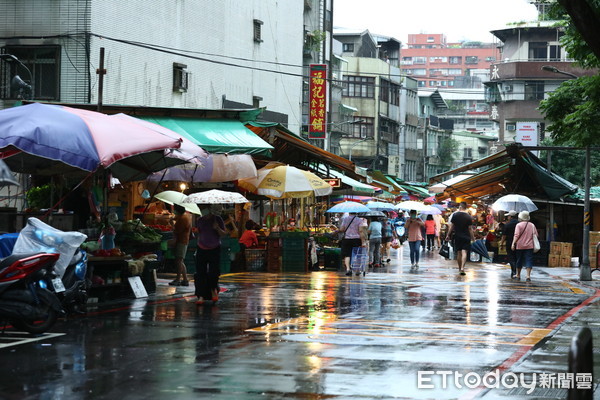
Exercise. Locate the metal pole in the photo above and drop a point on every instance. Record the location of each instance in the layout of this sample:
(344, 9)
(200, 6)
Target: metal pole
(551, 205)
(585, 274)
(101, 72)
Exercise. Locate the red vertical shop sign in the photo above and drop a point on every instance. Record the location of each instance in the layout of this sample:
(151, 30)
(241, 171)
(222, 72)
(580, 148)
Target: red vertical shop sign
(317, 124)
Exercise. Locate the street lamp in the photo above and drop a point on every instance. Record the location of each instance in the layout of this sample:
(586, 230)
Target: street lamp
(585, 273)
(552, 68)
(356, 144)
(17, 83)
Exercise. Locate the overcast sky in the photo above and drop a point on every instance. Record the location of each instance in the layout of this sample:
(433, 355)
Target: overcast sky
(458, 19)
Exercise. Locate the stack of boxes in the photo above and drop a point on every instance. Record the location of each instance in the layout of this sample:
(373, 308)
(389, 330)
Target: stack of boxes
(560, 254)
(594, 240)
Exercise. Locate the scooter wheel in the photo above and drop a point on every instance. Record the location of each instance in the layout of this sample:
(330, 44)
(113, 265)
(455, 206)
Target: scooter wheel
(40, 327)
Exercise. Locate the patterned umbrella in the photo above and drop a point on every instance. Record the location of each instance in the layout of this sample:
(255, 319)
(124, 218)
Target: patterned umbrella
(215, 196)
(349, 207)
(285, 181)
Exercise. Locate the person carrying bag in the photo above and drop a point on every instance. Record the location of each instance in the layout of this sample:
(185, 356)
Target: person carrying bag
(524, 244)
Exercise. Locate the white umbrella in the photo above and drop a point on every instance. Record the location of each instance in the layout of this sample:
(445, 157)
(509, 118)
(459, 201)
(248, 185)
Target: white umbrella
(430, 210)
(173, 197)
(515, 202)
(412, 205)
(215, 196)
(349, 207)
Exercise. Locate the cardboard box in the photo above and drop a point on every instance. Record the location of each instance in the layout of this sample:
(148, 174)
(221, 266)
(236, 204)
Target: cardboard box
(565, 261)
(553, 260)
(555, 247)
(594, 237)
(566, 249)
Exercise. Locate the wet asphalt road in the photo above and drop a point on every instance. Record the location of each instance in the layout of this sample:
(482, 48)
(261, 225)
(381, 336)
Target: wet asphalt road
(317, 335)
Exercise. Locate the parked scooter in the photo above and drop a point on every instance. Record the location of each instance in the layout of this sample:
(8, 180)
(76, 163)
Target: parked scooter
(23, 301)
(400, 230)
(68, 278)
(72, 291)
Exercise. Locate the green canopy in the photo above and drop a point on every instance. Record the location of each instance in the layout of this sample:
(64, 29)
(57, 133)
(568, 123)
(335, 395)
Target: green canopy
(216, 135)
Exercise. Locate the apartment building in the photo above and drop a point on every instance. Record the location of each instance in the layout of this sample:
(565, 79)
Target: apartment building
(435, 63)
(372, 86)
(524, 77)
(160, 53)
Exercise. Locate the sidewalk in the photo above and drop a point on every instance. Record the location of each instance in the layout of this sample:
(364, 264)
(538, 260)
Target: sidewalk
(551, 355)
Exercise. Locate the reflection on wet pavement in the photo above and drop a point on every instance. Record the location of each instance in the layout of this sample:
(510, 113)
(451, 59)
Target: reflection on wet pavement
(311, 336)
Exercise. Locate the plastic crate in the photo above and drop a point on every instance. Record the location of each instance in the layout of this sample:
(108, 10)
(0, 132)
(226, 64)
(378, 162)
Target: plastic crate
(256, 260)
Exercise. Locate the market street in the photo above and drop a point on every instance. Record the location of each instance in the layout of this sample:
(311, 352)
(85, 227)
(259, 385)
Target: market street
(314, 336)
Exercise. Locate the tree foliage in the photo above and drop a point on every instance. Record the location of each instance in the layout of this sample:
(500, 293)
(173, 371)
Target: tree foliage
(573, 109)
(568, 164)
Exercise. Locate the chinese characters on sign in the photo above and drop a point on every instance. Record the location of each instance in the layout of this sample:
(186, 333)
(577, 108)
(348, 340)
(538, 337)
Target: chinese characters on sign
(317, 102)
(527, 133)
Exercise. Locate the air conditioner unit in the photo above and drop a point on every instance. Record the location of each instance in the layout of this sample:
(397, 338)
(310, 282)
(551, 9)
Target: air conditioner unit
(508, 88)
(511, 127)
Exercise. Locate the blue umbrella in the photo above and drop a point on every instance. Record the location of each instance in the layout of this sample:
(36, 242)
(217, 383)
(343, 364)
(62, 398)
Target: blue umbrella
(349, 207)
(478, 247)
(380, 206)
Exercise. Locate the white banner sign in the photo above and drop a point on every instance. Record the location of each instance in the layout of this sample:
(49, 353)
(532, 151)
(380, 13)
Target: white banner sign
(527, 133)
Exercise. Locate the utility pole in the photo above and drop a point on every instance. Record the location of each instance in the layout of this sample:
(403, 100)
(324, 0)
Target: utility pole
(101, 71)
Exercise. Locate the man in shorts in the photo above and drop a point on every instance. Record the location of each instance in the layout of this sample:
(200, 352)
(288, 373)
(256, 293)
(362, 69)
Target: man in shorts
(461, 228)
(181, 233)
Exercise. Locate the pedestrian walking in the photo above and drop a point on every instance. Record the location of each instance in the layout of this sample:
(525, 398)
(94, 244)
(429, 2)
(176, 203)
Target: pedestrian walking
(523, 244)
(430, 231)
(507, 240)
(439, 220)
(354, 231)
(387, 236)
(181, 235)
(208, 254)
(415, 237)
(374, 232)
(460, 230)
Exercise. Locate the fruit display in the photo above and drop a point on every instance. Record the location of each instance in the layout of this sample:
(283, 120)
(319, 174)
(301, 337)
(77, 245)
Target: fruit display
(115, 252)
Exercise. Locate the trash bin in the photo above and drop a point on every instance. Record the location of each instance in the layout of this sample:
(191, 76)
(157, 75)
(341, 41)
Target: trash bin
(333, 258)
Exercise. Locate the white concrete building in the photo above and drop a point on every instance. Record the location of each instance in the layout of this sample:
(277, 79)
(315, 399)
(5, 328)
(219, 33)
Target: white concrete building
(161, 53)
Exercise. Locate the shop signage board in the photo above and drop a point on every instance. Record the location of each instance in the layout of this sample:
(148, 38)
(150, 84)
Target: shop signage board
(317, 118)
(527, 133)
(137, 286)
(333, 182)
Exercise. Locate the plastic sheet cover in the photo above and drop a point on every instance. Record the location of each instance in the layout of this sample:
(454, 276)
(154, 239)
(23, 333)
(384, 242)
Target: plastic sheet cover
(37, 236)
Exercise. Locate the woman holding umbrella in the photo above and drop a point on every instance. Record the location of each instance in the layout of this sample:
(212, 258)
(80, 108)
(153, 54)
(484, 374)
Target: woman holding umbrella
(208, 255)
(523, 244)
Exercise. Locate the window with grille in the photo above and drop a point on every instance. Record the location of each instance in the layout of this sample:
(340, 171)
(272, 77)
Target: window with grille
(258, 30)
(363, 127)
(43, 62)
(359, 86)
(180, 78)
(534, 90)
